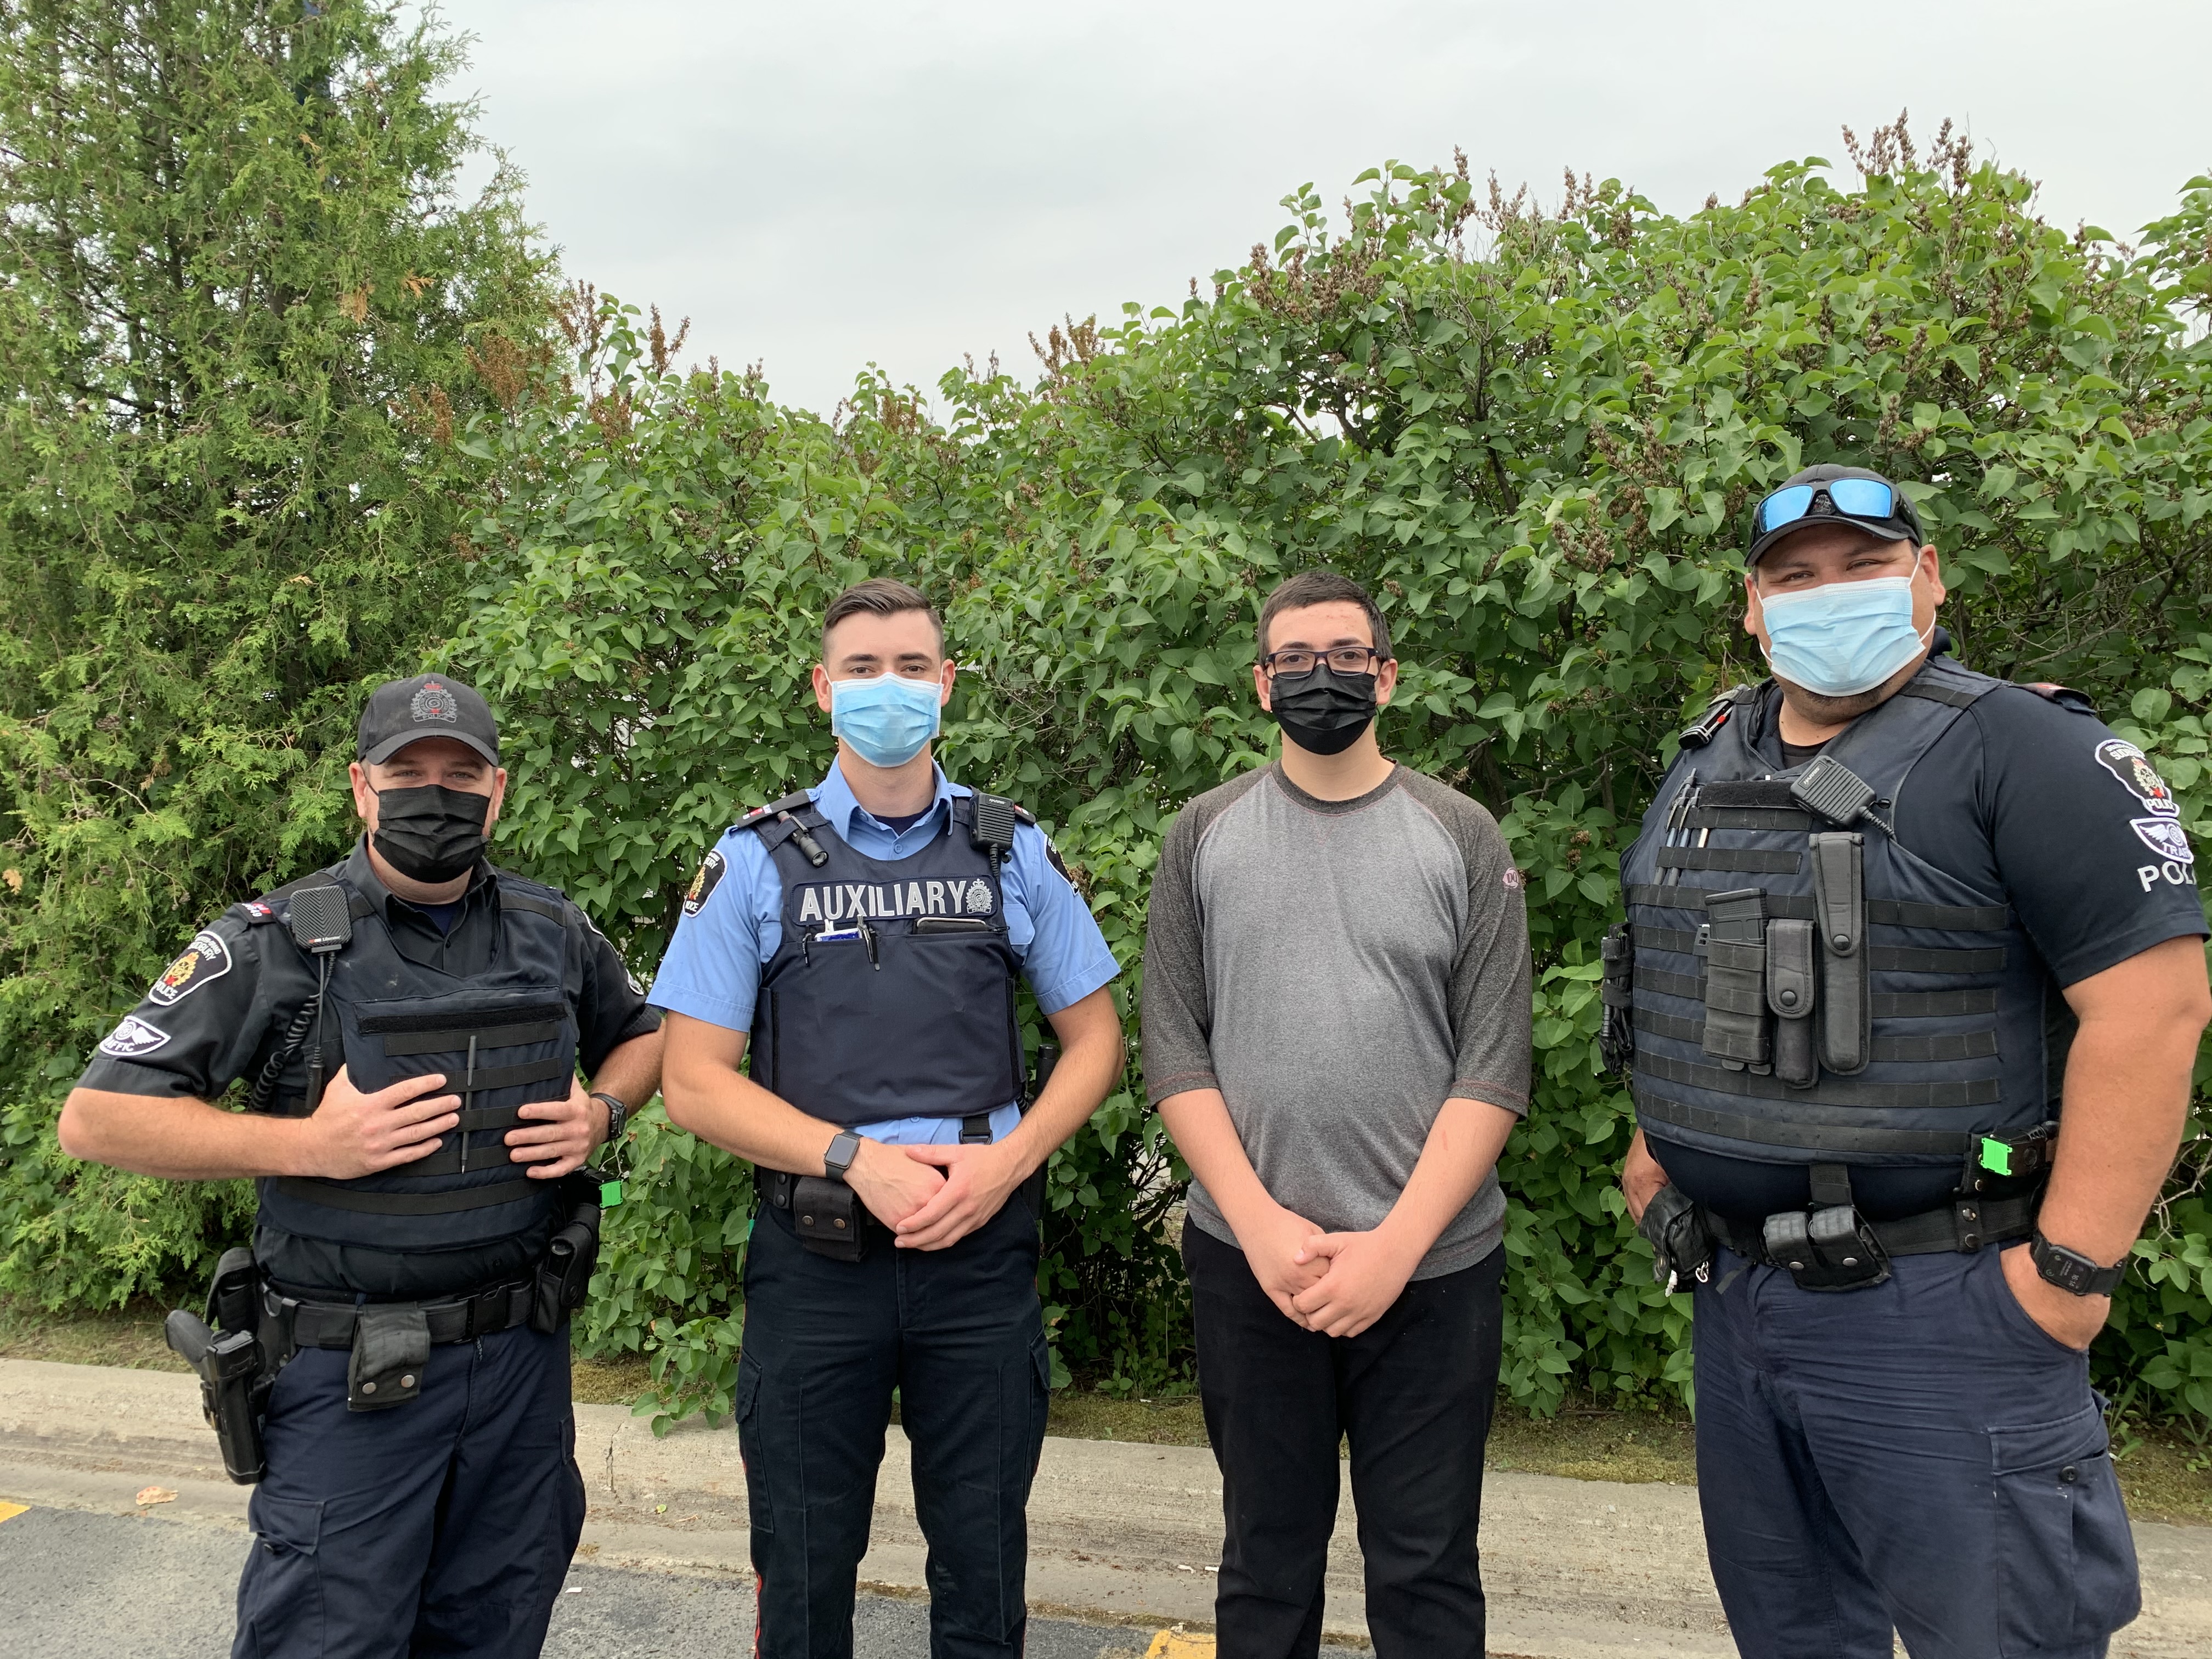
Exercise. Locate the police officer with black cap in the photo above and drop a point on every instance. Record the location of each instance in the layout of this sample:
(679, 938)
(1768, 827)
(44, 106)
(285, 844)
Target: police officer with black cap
(1909, 991)
(390, 1361)
(859, 944)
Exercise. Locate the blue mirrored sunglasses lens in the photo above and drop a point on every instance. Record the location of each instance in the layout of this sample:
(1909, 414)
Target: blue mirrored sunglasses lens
(1863, 498)
(1784, 506)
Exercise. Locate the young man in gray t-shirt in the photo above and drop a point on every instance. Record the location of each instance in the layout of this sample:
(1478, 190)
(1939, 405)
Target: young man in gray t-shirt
(1336, 1032)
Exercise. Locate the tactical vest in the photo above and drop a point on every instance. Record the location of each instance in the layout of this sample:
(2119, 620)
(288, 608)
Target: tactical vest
(891, 993)
(1799, 988)
(503, 1038)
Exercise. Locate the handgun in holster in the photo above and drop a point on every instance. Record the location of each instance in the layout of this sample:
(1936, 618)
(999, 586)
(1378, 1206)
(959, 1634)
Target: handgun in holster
(235, 1370)
(564, 1273)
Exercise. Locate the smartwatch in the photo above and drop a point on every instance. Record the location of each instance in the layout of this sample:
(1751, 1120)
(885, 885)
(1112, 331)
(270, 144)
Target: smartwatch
(844, 1147)
(617, 1115)
(2071, 1271)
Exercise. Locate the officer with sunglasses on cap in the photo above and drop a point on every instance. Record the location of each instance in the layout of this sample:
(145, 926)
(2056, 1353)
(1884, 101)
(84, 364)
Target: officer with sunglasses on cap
(388, 1364)
(1909, 990)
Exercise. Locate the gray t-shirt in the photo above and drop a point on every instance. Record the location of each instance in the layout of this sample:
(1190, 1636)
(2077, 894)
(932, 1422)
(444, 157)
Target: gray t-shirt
(1339, 969)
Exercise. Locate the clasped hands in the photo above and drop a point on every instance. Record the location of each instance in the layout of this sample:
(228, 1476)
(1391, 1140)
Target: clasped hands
(1337, 1284)
(353, 1133)
(932, 1197)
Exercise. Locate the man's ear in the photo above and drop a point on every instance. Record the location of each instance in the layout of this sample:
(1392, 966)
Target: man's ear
(364, 798)
(1935, 562)
(498, 795)
(1260, 686)
(821, 678)
(945, 683)
(1386, 681)
(1750, 610)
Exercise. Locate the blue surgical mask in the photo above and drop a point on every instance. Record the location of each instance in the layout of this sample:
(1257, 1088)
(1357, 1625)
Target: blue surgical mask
(887, 719)
(1841, 638)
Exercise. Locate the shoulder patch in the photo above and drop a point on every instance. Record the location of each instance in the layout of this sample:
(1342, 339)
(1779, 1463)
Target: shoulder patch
(134, 1037)
(2137, 776)
(2164, 837)
(711, 871)
(207, 957)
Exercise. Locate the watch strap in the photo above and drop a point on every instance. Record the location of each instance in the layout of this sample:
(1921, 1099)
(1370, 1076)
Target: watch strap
(2071, 1271)
(617, 1115)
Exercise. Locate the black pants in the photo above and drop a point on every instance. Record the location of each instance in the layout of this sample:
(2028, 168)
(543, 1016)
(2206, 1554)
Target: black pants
(1413, 1393)
(443, 1526)
(959, 1335)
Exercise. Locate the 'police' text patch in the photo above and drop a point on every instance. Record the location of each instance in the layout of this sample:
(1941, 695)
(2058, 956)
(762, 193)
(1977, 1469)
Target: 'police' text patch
(205, 958)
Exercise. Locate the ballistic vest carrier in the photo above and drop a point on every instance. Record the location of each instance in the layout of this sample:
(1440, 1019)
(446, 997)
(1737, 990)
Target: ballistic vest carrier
(503, 1038)
(891, 993)
(1798, 989)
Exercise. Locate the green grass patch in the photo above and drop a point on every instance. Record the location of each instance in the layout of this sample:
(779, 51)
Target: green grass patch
(2165, 1470)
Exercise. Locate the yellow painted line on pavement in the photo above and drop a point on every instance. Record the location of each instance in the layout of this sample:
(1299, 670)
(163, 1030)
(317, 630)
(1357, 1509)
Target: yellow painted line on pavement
(1177, 1644)
(8, 1511)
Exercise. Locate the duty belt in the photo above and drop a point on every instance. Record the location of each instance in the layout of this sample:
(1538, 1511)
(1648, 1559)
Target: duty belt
(1967, 1225)
(460, 1319)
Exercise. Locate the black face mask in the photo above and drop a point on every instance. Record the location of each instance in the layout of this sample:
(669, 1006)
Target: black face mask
(432, 833)
(1321, 711)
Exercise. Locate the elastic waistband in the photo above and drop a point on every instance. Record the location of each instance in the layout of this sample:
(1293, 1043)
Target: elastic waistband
(462, 1319)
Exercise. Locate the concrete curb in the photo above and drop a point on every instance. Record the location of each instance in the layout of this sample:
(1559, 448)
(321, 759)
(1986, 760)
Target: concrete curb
(1118, 1532)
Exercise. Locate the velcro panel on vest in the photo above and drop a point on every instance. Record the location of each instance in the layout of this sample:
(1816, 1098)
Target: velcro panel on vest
(1800, 1135)
(1746, 861)
(1881, 912)
(1736, 978)
(1948, 1045)
(1839, 894)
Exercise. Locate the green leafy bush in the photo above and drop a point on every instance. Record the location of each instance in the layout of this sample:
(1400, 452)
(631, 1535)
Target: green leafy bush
(1536, 437)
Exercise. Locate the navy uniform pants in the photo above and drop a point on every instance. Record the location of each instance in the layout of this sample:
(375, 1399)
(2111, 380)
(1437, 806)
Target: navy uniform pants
(444, 1526)
(1919, 1455)
(958, 1333)
(1412, 1393)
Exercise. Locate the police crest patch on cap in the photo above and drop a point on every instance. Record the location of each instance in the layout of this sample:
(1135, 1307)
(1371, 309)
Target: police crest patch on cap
(703, 885)
(2137, 776)
(2165, 838)
(435, 703)
(205, 958)
(133, 1038)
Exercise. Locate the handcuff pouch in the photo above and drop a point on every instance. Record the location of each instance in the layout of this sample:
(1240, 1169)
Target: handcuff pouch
(390, 1348)
(829, 1217)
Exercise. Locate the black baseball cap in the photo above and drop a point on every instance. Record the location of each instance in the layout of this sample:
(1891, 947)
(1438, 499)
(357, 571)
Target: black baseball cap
(1804, 499)
(399, 711)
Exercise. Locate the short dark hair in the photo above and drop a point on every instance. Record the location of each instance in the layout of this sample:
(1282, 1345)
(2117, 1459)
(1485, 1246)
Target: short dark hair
(1323, 587)
(880, 596)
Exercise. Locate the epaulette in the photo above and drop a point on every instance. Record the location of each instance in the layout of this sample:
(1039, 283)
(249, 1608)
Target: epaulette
(2064, 696)
(272, 906)
(790, 803)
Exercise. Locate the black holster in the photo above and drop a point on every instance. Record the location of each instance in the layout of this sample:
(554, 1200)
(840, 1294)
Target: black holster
(564, 1273)
(235, 1374)
(1681, 1247)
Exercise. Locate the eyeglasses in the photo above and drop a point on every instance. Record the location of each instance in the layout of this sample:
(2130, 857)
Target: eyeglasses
(1345, 659)
(1854, 498)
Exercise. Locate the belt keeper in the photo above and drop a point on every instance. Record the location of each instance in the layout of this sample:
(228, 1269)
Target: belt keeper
(1966, 1217)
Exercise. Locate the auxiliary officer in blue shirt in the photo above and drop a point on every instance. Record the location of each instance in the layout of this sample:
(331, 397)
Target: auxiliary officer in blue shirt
(862, 940)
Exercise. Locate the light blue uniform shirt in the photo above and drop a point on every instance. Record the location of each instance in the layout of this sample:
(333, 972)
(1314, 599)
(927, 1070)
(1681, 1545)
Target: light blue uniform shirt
(713, 969)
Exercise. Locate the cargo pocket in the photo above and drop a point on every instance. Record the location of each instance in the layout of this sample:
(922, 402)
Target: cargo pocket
(280, 1599)
(2066, 1561)
(759, 1509)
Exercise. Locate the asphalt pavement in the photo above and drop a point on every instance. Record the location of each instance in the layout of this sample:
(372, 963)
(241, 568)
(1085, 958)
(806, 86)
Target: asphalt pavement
(152, 1588)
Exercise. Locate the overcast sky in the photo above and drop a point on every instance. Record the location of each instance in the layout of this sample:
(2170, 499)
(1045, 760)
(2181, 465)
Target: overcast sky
(821, 186)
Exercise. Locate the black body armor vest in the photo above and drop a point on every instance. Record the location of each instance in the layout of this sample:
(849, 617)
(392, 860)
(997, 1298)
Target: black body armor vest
(891, 993)
(1799, 988)
(465, 1216)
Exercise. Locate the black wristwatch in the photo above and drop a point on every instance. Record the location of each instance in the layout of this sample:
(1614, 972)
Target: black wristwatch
(617, 1115)
(2071, 1271)
(844, 1147)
